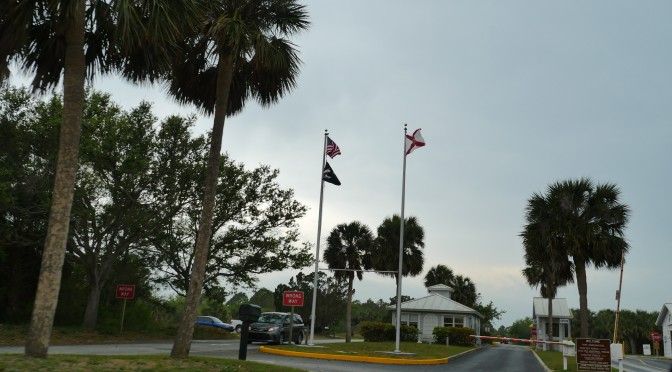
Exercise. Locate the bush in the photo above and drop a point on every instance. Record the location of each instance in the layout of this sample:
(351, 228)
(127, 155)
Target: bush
(458, 336)
(377, 332)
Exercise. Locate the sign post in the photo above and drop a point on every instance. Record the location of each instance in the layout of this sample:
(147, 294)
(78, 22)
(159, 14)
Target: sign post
(125, 292)
(292, 298)
(655, 337)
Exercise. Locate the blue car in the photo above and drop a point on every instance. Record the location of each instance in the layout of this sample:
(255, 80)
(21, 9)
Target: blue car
(212, 321)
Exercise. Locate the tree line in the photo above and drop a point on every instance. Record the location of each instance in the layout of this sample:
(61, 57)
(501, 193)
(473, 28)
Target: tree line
(135, 209)
(635, 327)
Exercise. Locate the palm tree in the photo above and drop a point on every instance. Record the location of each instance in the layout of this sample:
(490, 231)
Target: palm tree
(548, 266)
(386, 257)
(591, 222)
(348, 245)
(439, 274)
(238, 53)
(464, 291)
(78, 39)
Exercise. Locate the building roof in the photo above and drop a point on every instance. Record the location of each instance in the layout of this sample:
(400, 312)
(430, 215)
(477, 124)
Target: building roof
(667, 308)
(560, 308)
(436, 303)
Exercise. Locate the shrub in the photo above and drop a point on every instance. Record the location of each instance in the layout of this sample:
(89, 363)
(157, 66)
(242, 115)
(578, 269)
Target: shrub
(376, 331)
(458, 336)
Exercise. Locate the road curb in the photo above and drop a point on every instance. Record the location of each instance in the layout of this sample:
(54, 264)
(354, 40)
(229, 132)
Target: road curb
(354, 358)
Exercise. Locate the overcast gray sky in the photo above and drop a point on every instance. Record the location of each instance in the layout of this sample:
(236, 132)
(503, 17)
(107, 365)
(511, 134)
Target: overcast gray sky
(511, 96)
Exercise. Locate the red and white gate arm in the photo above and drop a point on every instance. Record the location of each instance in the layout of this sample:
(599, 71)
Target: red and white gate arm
(516, 340)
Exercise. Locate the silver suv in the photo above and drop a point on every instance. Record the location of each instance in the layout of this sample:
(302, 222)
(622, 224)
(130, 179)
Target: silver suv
(273, 327)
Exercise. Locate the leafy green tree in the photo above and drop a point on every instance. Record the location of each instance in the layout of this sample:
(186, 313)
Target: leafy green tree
(587, 223)
(240, 52)
(369, 311)
(348, 247)
(255, 228)
(386, 253)
(263, 298)
(439, 274)
(490, 312)
(521, 328)
(78, 39)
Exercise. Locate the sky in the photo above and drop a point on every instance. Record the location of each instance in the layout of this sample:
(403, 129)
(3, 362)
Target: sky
(511, 96)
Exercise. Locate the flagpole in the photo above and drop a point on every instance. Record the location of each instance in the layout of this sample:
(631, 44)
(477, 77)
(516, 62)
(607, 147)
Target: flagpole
(401, 248)
(317, 245)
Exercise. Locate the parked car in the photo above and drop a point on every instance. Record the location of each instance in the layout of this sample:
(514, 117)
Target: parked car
(237, 325)
(273, 327)
(212, 321)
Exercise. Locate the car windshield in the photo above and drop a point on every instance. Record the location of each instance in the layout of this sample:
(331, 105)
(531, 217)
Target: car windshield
(270, 318)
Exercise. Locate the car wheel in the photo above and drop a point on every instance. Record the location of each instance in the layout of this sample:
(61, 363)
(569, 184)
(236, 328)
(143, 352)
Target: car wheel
(238, 328)
(299, 338)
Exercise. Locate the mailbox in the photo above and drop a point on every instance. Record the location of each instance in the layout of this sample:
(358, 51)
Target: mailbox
(249, 313)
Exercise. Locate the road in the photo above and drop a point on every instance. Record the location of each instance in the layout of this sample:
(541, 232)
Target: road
(502, 358)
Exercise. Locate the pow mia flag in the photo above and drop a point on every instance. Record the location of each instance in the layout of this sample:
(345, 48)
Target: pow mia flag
(329, 176)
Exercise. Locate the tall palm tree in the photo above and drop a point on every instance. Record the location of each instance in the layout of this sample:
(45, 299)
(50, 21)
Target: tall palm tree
(548, 266)
(591, 223)
(77, 39)
(386, 257)
(439, 274)
(239, 53)
(577, 219)
(348, 245)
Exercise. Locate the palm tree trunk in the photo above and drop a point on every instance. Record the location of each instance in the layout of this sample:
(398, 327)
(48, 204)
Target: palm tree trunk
(49, 284)
(348, 313)
(186, 330)
(549, 331)
(581, 283)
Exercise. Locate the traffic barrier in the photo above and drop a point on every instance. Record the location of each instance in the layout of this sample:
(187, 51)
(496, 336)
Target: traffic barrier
(492, 338)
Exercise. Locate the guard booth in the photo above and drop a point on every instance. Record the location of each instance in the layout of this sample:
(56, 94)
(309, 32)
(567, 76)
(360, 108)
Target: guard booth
(561, 322)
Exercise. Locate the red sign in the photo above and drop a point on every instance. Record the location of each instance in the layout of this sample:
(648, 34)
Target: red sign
(655, 336)
(292, 298)
(126, 291)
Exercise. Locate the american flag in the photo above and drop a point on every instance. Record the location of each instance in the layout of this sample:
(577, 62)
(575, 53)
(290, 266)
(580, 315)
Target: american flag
(332, 148)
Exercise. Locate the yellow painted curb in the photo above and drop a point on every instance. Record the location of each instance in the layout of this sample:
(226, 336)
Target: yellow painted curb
(352, 358)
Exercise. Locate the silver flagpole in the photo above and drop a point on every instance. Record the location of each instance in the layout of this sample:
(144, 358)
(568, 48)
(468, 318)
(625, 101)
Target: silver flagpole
(317, 249)
(401, 248)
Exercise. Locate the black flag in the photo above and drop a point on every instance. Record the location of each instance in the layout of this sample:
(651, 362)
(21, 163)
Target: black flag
(329, 175)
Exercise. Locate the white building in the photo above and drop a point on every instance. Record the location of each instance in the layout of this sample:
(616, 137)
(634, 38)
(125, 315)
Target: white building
(562, 317)
(664, 321)
(434, 310)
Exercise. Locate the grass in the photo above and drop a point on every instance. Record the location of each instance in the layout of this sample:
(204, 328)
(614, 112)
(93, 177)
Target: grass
(374, 349)
(15, 362)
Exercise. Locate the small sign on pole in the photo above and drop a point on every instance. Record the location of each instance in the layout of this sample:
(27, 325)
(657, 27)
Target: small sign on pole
(125, 292)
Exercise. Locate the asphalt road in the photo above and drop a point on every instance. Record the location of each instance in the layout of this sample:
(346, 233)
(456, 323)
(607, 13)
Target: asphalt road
(500, 358)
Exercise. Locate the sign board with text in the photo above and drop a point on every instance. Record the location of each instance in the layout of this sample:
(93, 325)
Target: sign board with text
(593, 354)
(292, 298)
(126, 291)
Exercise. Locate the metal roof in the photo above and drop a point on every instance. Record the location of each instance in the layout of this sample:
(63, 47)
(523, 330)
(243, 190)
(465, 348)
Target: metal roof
(667, 308)
(435, 303)
(560, 308)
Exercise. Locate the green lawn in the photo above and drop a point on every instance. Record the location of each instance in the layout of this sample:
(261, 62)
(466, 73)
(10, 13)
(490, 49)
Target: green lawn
(17, 362)
(374, 349)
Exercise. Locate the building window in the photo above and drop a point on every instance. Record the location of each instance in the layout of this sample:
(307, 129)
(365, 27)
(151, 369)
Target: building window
(410, 320)
(453, 321)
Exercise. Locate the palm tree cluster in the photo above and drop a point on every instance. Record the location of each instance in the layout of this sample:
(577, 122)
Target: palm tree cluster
(576, 224)
(215, 54)
(353, 249)
(464, 289)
